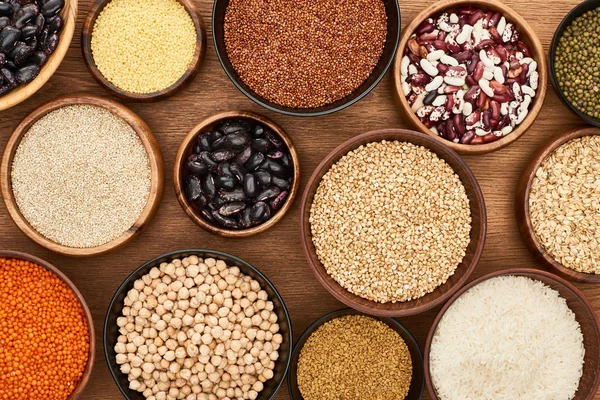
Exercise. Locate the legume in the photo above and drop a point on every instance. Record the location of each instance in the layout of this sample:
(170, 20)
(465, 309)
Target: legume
(44, 334)
(576, 63)
(468, 76)
(304, 53)
(197, 326)
(354, 357)
(143, 49)
(81, 176)
(390, 221)
(564, 204)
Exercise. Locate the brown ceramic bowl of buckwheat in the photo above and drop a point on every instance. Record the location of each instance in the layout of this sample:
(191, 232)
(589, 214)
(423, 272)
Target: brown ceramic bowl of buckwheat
(313, 59)
(558, 205)
(371, 243)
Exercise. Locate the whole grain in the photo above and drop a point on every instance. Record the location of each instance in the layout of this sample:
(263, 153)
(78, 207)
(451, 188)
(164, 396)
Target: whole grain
(81, 176)
(390, 221)
(304, 53)
(564, 204)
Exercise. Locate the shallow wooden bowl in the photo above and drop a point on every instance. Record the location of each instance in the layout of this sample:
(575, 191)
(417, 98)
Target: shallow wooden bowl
(23, 92)
(464, 269)
(186, 78)
(417, 384)
(185, 150)
(87, 372)
(154, 157)
(522, 207)
(529, 38)
(115, 309)
(581, 307)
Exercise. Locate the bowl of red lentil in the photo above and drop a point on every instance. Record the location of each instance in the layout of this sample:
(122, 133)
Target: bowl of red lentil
(40, 305)
(361, 342)
(367, 240)
(312, 57)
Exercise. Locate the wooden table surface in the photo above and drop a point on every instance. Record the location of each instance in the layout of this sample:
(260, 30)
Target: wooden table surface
(277, 252)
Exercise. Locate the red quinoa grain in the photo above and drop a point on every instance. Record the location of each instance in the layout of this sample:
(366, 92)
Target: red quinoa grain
(304, 53)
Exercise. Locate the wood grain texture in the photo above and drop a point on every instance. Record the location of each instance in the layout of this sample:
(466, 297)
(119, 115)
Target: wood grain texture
(278, 252)
(464, 269)
(529, 37)
(185, 150)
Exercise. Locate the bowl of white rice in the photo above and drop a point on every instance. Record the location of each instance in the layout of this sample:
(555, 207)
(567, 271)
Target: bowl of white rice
(518, 334)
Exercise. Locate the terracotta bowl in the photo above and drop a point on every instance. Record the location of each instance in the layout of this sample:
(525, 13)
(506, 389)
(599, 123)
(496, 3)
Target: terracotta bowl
(529, 38)
(111, 331)
(464, 269)
(87, 372)
(154, 157)
(23, 92)
(186, 78)
(417, 384)
(522, 206)
(185, 150)
(584, 313)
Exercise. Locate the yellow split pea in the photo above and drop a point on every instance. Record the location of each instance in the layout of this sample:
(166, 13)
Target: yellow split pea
(143, 46)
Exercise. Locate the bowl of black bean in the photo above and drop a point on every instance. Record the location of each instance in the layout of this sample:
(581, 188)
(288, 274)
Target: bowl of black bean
(236, 174)
(34, 38)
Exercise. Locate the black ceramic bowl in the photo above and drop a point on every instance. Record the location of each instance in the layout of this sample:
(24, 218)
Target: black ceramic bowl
(111, 332)
(582, 8)
(393, 36)
(417, 384)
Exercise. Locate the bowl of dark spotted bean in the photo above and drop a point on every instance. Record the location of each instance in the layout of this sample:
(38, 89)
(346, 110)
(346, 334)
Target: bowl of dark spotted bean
(470, 73)
(34, 38)
(236, 174)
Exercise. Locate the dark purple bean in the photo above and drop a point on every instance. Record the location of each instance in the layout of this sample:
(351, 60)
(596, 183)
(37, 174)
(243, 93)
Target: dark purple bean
(222, 155)
(274, 139)
(224, 169)
(24, 15)
(278, 201)
(257, 131)
(196, 166)
(208, 186)
(9, 37)
(28, 32)
(268, 193)
(238, 171)
(486, 120)
(277, 154)
(472, 64)
(232, 208)
(504, 121)
(459, 124)
(236, 194)
(425, 27)
(244, 156)
(52, 7)
(208, 160)
(467, 137)
(207, 214)
(254, 161)
(38, 58)
(225, 182)
(55, 24)
(420, 79)
(430, 97)
(225, 222)
(21, 54)
(250, 185)
(204, 143)
(234, 125)
(450, 132)
(285, 160)
(192, 188)
(442, 130)
(260, 212)
(484, 44)
(6, 9)
(263, 178)
(282, 184)
(463, 56)
(4, 22)
(39, 22)
(50, 44)
(261, 145)
(220, 143)
(237, 141)
(245, 220)
(276, 169)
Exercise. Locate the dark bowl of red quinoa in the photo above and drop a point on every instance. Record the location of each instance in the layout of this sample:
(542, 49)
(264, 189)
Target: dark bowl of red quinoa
(272, 71)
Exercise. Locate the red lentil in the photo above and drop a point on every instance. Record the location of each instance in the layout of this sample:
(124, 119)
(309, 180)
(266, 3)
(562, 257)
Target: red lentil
(304, 53)
(44, 338)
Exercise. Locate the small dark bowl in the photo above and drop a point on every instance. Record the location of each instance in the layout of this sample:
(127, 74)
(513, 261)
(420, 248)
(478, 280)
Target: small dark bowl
(393, 36)
(417, 384)
(579, 10)
(111, 332)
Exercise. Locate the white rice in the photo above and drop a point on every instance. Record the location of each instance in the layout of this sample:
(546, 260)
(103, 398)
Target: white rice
(507, 338)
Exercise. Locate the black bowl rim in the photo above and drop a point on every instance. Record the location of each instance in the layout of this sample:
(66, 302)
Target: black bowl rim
(175, 253)
(305, 112)
(575, 12)
(350, 311)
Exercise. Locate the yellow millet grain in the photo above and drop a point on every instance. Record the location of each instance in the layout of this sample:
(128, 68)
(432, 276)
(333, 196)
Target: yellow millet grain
(354, 357)
(143, 46)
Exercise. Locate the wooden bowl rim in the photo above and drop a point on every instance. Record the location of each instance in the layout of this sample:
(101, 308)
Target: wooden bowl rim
(157, 174)
(23, 92)
(188, 142)
(342, 313)
(536, 47)
(522, 205)
(306, 236)
(186, 78)
(87, 372)
(515, 272)
(181, 253)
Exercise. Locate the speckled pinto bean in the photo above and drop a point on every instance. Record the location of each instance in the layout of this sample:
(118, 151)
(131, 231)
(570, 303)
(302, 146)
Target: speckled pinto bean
(474, 64)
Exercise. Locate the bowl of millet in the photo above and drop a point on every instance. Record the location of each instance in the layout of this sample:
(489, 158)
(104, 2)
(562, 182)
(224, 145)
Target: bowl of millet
(197, 323)
(392, 222)
(306, 57)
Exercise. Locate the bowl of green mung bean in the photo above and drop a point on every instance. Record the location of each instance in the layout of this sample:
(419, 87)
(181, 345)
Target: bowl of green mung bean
(573, 61)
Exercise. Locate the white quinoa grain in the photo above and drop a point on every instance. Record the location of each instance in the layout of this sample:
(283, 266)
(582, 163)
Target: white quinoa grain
(81, 176)
(390, 221)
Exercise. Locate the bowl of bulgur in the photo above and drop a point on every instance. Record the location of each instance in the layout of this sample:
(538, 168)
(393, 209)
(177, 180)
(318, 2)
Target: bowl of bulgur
(558, 205)
(392, 222)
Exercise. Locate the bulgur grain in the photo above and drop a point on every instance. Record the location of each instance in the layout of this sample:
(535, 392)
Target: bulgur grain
(564, 204)
(354, 357)
(390, 221)
(143, 48)
(304, 53)
(81, 176)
